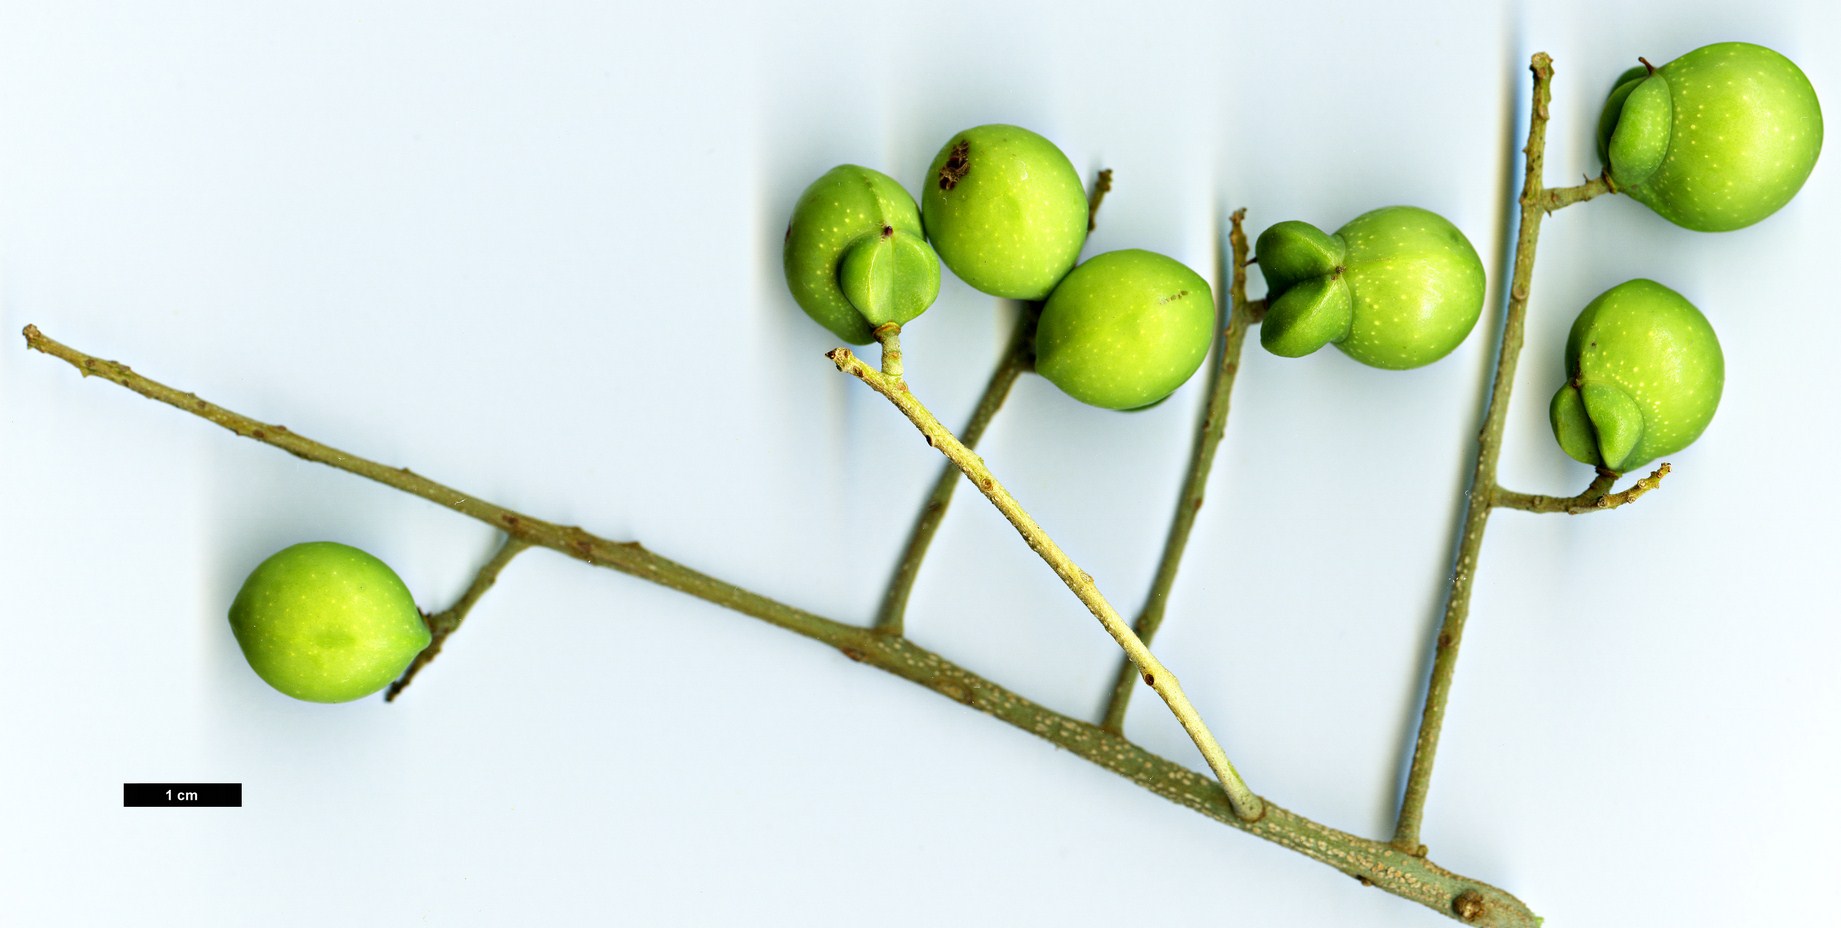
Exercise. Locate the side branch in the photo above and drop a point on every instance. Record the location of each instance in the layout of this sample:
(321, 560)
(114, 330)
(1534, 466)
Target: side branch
(1195, 482)
(443, 623)
(1596, 498)
(1562, 197)
(1535, 204)
(1247, 805)
(1371, 862)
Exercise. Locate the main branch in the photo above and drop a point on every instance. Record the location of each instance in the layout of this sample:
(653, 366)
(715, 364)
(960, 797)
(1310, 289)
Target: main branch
(1371, 862)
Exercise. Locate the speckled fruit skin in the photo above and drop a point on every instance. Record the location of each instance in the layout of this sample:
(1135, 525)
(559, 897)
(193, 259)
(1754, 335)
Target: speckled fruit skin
(859, 219)
(1644, 375)
(1125, 329)
(326, 622)
(1006, 211)
(1395, 288)
(1715, 140)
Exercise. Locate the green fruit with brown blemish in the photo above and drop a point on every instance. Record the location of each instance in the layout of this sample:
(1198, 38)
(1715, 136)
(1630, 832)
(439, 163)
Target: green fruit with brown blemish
(855, 255)
(1125, 329)
(1644, 374)
(1006, 211)
(1715, 140)
(1396, 288)
(326, 622)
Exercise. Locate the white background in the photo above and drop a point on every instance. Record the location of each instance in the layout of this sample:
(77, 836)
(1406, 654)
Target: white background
(532, 251)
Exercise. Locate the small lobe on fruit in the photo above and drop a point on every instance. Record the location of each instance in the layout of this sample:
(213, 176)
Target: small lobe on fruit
(1308, 315)
(1616, 419)
(1640, 138)
(956, 166)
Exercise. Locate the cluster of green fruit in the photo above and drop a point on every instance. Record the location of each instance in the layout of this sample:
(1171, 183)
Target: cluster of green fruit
(1717, 139)
(1005, 210)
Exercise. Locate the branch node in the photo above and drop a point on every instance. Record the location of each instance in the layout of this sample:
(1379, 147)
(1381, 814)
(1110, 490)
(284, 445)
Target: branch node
(1469, 905)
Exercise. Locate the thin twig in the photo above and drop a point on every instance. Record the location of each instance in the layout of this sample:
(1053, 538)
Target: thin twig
(888, 335)
(891, 619)
(1102, 185)
(1018, 356)
(1535, 204)
(1246, 804)
(1371, 862)
(443, 623)
(1596, 498)
(1562, 197)
(1195, 482)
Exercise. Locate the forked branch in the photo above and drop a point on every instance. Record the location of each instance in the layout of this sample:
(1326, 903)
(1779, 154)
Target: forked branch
(1246, 804)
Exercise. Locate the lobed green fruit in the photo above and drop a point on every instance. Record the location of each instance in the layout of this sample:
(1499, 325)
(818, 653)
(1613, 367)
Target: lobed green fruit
(1644, 374)
(326, 622)
(1396, 288)
(1715, 140)
(855, 255)
(1006, 211)
(1125, 329)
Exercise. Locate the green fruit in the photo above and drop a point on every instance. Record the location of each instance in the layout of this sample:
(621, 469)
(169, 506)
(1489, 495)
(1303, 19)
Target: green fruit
(855, 255)
(1397, 287)
(1644, 374)
(1125, 329)
(1715, 140)
(1006, 211)
(326, 622)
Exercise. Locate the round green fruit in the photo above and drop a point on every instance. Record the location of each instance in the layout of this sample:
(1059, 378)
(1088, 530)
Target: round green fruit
(1644, 374)
(326, 622)
(1006, 211)
(1715, 140)
(1125, 329)
(855, 256)
(1396, 288)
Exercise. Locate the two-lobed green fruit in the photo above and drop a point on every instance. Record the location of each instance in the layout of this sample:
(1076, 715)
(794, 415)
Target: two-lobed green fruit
(326, 622)
(1397, 287)
(1644, 375)
(1125, 329)
(855, 257)
(1715, 140)
(1006, 211)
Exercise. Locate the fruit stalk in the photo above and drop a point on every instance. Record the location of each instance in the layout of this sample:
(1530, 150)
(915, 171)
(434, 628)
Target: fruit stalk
(444, 623)
(1240, 318)
(1596, 498)
(888, 335)
(1246, 804)
(1536, 202)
